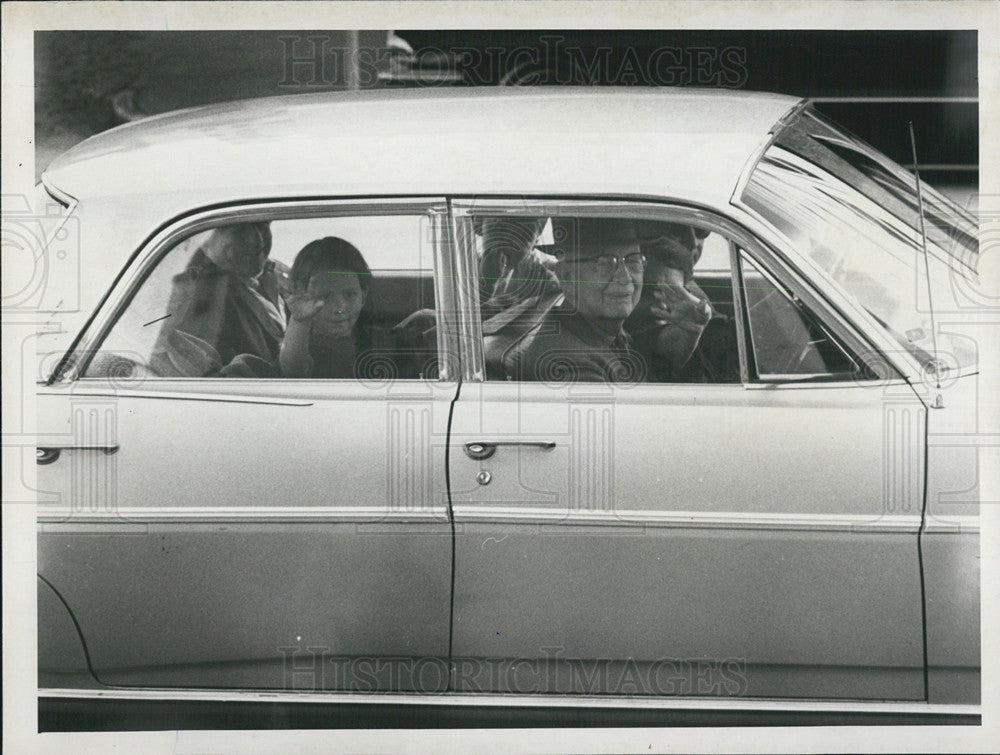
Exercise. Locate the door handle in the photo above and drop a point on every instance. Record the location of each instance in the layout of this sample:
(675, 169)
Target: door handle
(48, 454)
(480, 450)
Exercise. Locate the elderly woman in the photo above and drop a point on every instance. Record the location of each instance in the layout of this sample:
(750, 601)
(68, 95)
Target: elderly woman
(224, 305)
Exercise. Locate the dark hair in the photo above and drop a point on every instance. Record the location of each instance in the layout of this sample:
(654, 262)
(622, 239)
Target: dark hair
(329, 254)
(334, 255)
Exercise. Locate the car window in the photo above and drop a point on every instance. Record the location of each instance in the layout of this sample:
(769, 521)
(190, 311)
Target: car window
(856, 216)
(578, 298)
(789, 342)
(320, 297)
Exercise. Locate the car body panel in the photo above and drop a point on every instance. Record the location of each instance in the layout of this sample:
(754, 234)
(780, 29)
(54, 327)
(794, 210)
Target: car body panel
(61, 654)
(951, 542)
(200, 581)
(648, 555)
(354, 142)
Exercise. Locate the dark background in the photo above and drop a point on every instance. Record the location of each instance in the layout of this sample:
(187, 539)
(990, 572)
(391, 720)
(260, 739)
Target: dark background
(872, 82)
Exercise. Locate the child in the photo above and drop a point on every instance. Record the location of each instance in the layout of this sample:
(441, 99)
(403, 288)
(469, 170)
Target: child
(329, 335)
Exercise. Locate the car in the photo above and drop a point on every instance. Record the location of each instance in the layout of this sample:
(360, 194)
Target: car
(776, 521)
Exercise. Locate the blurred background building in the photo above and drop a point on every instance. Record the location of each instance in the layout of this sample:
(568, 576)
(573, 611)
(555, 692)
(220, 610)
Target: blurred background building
(872, 82)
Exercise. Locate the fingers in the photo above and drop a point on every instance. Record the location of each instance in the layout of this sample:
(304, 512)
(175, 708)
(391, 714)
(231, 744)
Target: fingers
(677, 304)
(304, 306)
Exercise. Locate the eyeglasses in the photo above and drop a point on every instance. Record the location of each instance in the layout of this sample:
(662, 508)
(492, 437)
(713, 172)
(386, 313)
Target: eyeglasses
(607, 264)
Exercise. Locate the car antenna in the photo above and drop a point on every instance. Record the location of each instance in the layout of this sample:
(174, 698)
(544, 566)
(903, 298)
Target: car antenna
(936, 364)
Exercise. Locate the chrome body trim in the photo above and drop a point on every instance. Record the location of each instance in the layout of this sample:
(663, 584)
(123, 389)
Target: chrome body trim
(515, 701)
(951, 525)
(237, 515)
(117, 393)
(476, 513)
(687, 519)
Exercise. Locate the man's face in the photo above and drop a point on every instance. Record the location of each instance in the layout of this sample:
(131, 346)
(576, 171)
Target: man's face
(597, 292)
(242, 249)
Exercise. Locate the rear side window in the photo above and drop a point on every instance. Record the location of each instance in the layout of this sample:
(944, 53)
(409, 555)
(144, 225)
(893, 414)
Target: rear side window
(346, 297)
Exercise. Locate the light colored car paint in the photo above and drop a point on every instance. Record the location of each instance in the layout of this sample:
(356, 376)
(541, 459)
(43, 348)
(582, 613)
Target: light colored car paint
(241, 525)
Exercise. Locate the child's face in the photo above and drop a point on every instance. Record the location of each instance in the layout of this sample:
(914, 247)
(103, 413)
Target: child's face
(342, 302)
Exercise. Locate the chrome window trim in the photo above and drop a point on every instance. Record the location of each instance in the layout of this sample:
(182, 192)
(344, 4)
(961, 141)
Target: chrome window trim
(466, 321)
(739, 308)
(858, 340)
(446, 294)
(147, 257)
(775, 131)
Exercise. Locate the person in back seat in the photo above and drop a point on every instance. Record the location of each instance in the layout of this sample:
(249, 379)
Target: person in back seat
(511, 269)
(673, 311)
(225, 306)
(600, 271)
(328, 333)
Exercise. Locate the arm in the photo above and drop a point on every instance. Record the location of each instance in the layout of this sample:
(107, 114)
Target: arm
(507, 266)
(684, 312)
(199, 306)
(294, 358)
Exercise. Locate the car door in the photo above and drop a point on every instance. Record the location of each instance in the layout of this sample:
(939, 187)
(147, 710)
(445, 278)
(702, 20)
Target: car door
(253, 531)
(746, 535)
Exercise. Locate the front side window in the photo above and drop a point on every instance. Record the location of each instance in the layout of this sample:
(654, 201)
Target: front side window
(321, 298)
(628, 297)
(577, 298)
(788, 342)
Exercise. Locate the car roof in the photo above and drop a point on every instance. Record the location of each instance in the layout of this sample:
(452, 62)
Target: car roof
(690, 143)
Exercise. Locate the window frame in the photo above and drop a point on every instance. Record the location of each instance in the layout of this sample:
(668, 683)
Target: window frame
(145, 260)
(799, 305)
(848, 335)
